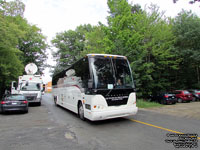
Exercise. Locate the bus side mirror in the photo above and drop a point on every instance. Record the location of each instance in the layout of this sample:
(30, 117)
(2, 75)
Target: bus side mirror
(90, 84)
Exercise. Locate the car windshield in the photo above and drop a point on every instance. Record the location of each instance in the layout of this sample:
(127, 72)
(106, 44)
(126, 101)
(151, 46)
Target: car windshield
(15, 97)
(186, 92)
(110, 73)
(31, 87)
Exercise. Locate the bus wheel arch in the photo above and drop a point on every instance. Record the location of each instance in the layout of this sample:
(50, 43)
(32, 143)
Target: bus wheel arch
(80, 110)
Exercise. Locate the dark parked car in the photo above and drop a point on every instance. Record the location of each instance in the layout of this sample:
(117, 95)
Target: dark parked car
(196, 94)
(164, 98)
(183, 96)
(14, 102)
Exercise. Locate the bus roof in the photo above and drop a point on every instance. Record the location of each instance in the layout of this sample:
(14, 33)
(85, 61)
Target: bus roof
(109, 55)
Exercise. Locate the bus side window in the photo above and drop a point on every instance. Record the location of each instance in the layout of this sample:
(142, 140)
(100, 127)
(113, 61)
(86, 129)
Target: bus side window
(82, 71)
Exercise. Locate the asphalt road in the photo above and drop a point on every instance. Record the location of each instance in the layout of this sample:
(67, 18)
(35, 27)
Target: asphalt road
(48, 127)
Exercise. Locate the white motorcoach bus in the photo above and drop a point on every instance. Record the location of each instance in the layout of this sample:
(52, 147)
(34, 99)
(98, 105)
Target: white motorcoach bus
(97, 87)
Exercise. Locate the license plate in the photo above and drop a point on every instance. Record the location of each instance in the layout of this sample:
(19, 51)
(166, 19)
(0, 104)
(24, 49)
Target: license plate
(14, 103)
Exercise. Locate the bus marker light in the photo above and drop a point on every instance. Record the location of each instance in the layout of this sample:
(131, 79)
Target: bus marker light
(95, 106)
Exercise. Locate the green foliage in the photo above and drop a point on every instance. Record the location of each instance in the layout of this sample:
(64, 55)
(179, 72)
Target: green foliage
(186, 27)
(10, 65)
(20, 43)
(12, 8)
(33, 45)
(147, 40)
(145, 104)
(163, 52)
(70, 45)
(94, 41)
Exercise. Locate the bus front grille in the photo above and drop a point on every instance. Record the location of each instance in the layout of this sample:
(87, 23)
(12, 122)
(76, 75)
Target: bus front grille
(116, 100)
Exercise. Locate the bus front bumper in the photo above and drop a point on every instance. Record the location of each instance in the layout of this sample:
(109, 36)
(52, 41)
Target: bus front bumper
(111, 113)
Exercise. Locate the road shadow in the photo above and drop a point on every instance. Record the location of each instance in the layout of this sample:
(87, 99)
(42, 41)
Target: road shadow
(96, 123)
(8, 113)
(108, 121)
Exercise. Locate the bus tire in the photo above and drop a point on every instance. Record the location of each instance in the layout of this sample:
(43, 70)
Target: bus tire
(81, 111)
(55, 100)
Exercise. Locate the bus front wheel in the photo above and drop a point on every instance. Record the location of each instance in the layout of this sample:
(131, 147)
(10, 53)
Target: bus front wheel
(55, 100)
(81, 111)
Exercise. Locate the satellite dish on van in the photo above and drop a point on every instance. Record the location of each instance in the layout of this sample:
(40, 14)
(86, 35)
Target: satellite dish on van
(31, 69)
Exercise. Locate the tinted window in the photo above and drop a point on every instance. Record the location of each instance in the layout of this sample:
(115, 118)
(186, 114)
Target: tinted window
(15, 97)
(80, 76)
(123, 73)
(102, 72)
(82, 70)
(111, 72)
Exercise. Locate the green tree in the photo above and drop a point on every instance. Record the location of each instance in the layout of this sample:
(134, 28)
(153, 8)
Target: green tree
(10, 65)
(20, 43)
(147, 40)
(186, 28)
(33, 45)
(12, 8)
(70, 45)
(94, 40)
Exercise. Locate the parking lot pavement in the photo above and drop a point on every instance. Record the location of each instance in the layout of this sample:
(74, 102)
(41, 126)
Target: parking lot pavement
(187, 110)
(48, 127)
(34, 131)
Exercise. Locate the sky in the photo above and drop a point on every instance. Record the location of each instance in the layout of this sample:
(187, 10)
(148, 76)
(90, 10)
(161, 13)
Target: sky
(55, 16)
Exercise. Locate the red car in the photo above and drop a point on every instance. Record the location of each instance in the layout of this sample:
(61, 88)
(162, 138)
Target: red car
(183, 96)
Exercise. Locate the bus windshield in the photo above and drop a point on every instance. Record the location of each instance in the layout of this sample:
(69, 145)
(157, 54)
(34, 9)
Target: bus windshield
(111, 73)
(31, 87)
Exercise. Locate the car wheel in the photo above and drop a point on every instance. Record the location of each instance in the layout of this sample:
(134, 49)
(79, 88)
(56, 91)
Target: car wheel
(180, 100)
(39, 103)
(194, 99)
(2, 111)
(81, 111)
(26, 111)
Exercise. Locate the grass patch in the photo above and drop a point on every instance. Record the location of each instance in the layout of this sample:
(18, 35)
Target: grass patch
(145, 104)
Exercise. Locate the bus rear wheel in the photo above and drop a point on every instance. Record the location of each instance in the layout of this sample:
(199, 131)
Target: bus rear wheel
(81, 111)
